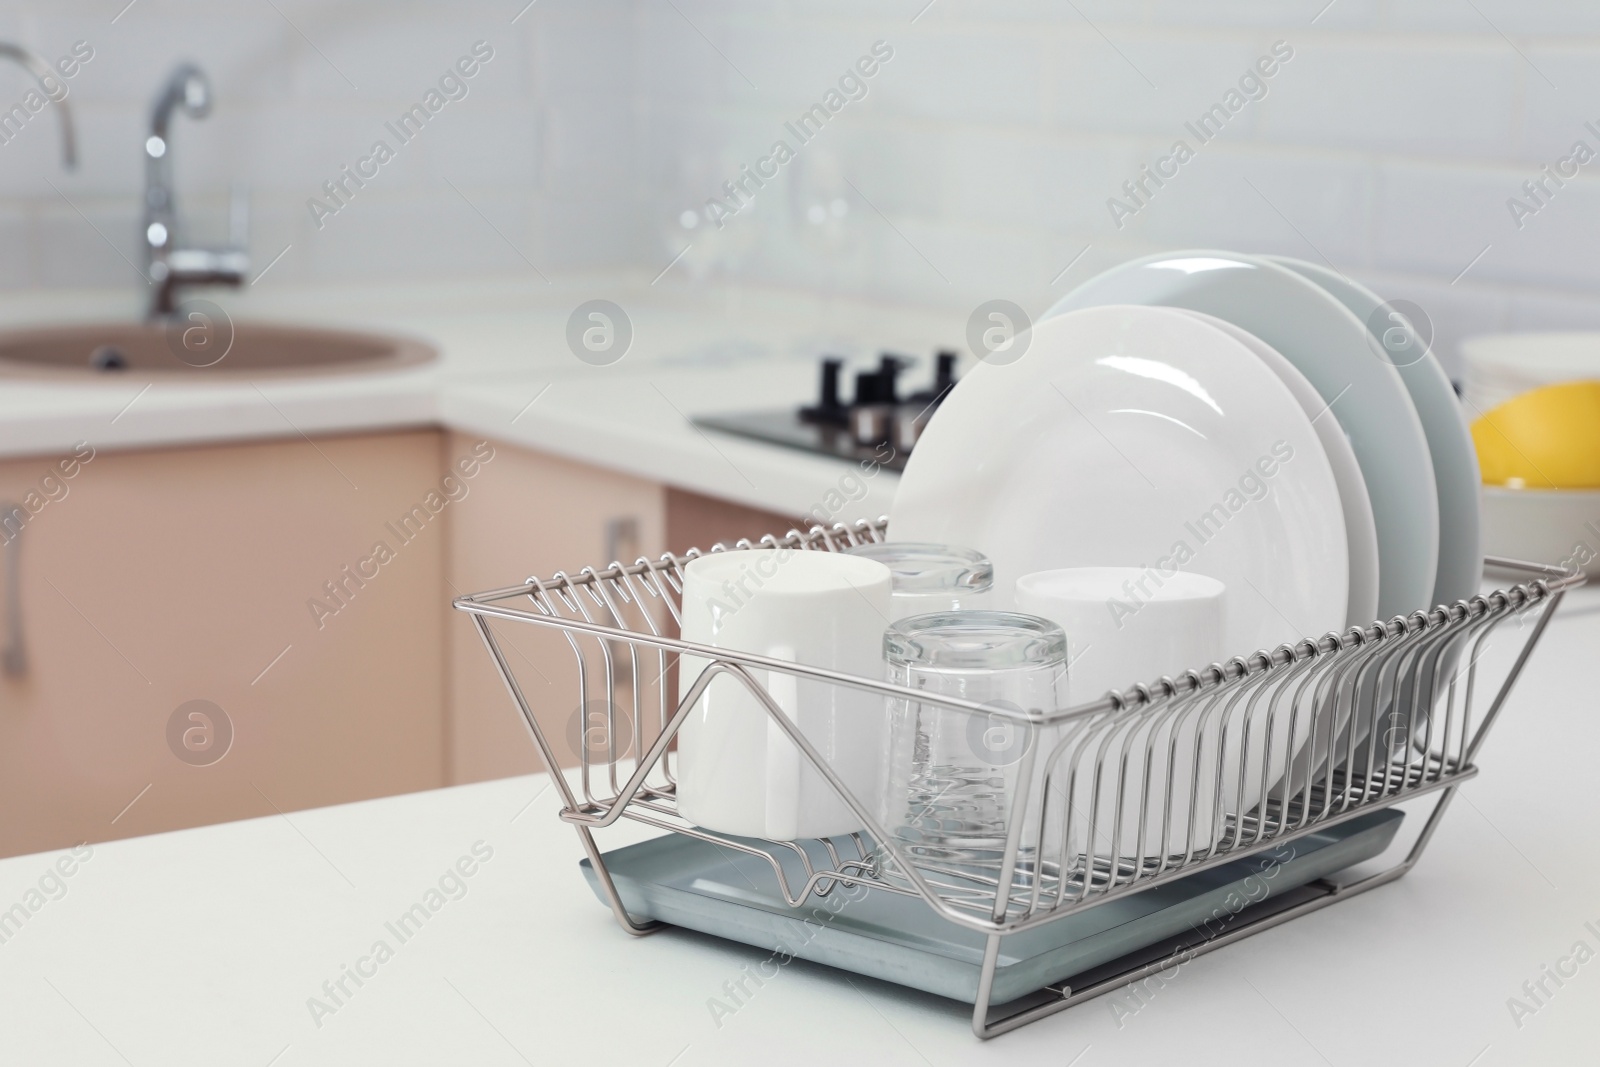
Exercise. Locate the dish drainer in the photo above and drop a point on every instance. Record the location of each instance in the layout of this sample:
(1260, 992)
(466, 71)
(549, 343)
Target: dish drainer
(1336, 726)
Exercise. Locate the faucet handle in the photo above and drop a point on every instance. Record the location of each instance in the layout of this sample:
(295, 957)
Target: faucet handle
(208, 266)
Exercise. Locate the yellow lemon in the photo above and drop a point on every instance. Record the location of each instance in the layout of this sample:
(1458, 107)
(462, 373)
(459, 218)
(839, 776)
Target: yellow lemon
(1548, 438)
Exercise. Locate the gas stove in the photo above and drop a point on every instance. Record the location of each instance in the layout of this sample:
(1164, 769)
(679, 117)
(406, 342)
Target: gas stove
(877, 419)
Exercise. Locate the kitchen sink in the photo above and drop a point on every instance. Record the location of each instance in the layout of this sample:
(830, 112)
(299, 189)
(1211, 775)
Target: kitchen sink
(195, 347)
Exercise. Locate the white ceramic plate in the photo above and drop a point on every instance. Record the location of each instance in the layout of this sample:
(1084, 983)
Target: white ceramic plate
(1329, 346)
(1360, 533)
(1455, 460)
(1129, 436)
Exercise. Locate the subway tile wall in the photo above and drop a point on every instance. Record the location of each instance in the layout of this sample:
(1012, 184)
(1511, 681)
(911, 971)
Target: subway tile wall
(527, 171)
(982, 159)
(980, 162)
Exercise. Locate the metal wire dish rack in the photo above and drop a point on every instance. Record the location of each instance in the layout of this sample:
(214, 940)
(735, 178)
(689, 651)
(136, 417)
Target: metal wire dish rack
(1140, 788)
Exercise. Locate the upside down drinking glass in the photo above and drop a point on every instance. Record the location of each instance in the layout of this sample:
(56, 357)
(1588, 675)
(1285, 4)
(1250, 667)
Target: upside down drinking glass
(931, 578)
(956, 781)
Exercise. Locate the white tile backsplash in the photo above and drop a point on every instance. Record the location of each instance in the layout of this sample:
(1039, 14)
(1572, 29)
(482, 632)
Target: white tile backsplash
(992, 141)
(1514, 18)
(87, 244)
(444, 237)
(16, 237)
(979, 163)
(1435, 217)
(1268, 200)
(1447, 98)
(301, 90)
(1099, 83)
(970, 74)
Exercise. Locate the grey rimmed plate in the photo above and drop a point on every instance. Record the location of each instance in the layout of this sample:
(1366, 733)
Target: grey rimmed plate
(1455, 460)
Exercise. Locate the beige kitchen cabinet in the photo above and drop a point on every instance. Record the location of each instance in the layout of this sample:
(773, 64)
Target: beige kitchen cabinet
(531, 514)
(152, 579)
(295, 596)
(696, 521)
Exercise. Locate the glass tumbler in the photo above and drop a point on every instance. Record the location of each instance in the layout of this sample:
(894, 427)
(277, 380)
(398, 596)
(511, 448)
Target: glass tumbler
(956, 781)
(928, 578)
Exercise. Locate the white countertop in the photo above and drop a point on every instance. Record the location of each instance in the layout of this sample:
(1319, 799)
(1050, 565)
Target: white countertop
(502, 345)
(204, 946)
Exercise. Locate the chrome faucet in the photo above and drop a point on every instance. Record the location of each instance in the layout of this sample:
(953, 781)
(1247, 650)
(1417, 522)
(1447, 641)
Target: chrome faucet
(35, 65)
(168, 266)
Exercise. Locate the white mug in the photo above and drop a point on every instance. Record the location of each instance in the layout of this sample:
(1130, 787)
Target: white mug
(1126, 625)
(737, 771)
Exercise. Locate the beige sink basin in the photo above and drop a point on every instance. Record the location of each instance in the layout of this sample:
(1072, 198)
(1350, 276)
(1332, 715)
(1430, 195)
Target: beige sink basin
(192, 350)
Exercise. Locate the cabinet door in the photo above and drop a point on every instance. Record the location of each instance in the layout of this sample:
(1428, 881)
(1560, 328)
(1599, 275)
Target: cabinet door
(696, 521)
(154, 580)
(531, 514)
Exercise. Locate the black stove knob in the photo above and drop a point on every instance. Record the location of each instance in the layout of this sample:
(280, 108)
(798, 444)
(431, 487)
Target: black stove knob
(869, 388)
(889, 368)
(829, 408)
(944, 380)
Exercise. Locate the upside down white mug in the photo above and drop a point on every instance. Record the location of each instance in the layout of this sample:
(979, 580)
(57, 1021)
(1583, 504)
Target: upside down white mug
(1127, 625)
(737, 770)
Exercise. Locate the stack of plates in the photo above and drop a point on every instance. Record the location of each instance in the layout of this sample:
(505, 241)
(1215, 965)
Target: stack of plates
(1227, 415)
(1234, 414)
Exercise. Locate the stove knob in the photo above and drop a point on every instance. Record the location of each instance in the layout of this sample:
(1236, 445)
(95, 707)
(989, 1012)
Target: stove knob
(829, 409)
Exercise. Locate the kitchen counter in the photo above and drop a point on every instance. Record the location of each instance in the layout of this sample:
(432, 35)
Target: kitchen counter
(208, 945)
(505, 372)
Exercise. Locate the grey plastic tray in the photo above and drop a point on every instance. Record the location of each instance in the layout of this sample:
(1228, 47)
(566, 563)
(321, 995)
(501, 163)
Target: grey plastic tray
(701, 886)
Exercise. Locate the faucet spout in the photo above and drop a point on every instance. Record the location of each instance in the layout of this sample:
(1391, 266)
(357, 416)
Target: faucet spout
(186, 87)
(55, 90)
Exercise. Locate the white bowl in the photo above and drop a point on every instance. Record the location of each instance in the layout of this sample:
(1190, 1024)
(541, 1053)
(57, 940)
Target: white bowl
(1500, 366)
(1559, 526)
